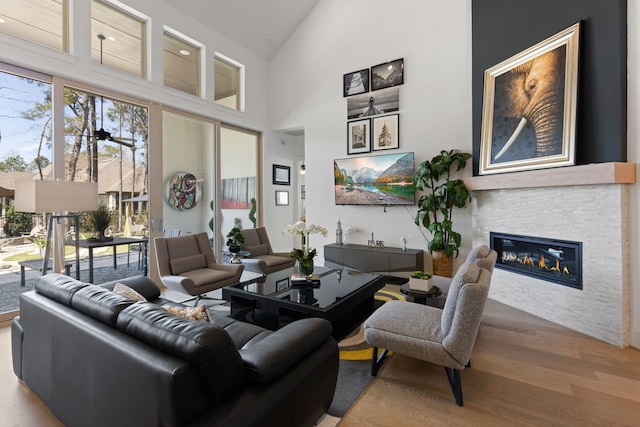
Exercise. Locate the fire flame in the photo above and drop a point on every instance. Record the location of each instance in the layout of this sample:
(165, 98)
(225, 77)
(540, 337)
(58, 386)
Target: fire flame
(529, 260)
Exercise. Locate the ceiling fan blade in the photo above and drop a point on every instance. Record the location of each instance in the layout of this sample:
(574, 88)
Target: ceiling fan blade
(119, 141)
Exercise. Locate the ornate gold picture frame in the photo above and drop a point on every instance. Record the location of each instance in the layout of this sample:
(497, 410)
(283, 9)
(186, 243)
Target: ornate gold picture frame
(529, 107)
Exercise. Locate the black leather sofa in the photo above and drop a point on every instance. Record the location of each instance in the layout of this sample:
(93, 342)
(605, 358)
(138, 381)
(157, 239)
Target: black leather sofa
(96, 359)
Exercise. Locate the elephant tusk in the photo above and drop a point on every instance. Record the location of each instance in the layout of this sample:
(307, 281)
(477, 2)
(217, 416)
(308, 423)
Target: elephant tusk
(511, 140)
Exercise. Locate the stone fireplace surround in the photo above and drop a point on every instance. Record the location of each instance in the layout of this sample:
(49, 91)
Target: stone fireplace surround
(588, 203)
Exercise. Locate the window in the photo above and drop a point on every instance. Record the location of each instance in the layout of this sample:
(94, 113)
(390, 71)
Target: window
(181, 64)
(47, 26)
(122, 44)
(228, 83)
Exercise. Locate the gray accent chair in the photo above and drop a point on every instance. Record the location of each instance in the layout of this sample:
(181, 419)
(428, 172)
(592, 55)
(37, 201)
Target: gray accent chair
(262, 258)
(186, 264)
(441, 336)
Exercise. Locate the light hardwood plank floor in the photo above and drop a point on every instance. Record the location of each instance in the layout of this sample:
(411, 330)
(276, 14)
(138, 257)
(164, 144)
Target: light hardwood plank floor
(525, 371)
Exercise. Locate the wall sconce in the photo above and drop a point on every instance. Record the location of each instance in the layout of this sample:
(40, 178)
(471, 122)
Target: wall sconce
(303, 169)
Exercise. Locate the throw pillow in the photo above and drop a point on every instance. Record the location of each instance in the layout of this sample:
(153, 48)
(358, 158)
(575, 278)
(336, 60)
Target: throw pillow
(127, 292)
(200, 312)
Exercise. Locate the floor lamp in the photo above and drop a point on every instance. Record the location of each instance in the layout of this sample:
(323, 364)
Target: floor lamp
(55, 197)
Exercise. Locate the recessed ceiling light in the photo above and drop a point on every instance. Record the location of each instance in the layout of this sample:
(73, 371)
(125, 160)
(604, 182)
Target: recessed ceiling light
(2, 21)
(111, 38)
(185, 52)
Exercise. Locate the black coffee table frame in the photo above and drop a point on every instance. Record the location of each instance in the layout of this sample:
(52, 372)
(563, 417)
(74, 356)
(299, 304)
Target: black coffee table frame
(276, 303)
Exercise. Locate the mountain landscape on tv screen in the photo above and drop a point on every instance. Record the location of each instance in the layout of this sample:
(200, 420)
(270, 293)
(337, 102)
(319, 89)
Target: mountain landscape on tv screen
(375, 180)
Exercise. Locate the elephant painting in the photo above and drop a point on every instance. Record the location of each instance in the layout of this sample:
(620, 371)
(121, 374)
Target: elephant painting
(529, 109)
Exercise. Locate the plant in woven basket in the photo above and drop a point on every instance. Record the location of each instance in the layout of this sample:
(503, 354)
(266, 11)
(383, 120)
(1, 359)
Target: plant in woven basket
(442, 194)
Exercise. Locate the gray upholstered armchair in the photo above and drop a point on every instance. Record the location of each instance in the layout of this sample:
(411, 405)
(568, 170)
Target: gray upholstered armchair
(444, 337)
(186, 264)
(263, 259)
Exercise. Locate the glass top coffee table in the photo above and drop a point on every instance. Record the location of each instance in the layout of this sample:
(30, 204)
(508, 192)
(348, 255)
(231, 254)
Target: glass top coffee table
(343, 296)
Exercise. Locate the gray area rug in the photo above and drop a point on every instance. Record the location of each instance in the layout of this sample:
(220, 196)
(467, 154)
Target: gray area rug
(10, 289)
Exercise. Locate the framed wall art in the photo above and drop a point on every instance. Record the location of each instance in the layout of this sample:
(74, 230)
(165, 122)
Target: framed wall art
(359, 136)
(182, 190)
(355, 83)
(281, 175)
(282, 198)
(373, 104)
(387, 75)
(386, 132)
(529, 107)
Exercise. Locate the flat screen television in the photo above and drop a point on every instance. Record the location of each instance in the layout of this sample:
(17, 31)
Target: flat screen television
(375, 180)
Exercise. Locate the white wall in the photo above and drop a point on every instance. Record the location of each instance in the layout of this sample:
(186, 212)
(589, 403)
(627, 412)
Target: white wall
(339, 37)
(435, 102)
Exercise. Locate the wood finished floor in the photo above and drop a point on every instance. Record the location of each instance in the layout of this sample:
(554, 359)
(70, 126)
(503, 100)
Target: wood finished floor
(525, 372)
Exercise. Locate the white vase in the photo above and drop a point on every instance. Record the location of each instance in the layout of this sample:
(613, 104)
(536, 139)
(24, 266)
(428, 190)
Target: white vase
(420, 284)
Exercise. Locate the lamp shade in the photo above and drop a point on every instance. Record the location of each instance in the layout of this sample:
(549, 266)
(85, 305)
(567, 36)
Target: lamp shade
(55, 196)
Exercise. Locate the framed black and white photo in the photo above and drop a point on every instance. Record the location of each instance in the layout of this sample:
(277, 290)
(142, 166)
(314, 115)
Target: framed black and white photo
(282, 198)
(359, 136)
(386, 132)
(373, 104)
(281, 175)
(355, 83)
(387, 75)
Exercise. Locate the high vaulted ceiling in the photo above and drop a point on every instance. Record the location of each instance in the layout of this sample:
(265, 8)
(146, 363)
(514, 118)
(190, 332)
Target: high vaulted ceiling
(261, 26)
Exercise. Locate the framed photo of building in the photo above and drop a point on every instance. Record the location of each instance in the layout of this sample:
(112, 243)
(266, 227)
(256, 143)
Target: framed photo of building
(355, 83)
(387, 75)
(386, 132)
(529, 107)
(359, 136)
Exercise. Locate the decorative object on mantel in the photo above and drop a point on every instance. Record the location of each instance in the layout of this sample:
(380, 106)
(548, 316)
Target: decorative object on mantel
(420, 281)
(305, 254)
(435, 207)
(529, 107)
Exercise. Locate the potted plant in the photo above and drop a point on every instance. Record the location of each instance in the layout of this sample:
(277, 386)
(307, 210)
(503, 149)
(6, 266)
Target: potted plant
(304, 255)
(235, 240)
(420, 281)
(441, 195)
(98, 221)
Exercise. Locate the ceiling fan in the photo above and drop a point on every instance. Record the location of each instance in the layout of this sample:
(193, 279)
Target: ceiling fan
(101, 134)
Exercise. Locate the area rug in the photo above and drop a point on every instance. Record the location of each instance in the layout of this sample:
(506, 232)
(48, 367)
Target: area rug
(354, 373)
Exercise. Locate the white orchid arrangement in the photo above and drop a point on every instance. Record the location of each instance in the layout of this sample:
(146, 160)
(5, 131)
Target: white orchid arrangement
(301, 229)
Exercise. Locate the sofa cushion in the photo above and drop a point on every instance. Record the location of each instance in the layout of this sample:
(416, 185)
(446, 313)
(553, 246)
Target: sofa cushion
(468, 273)
(205, 346)
(187, 263)
(58, 287)
(100, 303)
(128, 292)
(256, 250)
(141, 284)
(200, 312)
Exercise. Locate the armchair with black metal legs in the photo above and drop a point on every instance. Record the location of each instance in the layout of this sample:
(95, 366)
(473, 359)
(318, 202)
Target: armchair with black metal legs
(443, 337)
(186, 264)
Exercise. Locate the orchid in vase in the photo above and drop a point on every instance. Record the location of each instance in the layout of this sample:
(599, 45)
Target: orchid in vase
(305, 254)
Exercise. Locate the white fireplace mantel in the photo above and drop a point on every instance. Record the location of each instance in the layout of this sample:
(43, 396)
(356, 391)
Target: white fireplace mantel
(595, 173)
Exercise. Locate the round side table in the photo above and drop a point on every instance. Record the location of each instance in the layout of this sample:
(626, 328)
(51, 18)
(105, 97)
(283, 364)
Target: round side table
(420, 297)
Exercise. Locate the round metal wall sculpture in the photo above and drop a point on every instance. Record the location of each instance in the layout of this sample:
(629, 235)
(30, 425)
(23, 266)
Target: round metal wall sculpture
(182, 190)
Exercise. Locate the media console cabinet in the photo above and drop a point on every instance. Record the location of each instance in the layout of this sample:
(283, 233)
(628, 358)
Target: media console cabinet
(383, 260)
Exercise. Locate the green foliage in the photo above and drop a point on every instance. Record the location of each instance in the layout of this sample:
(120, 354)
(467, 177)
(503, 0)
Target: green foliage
(17, 222)
(421, 275)
(442, 195)
(14, 164)
(98, 220)
(252, 212)
(235, 237)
